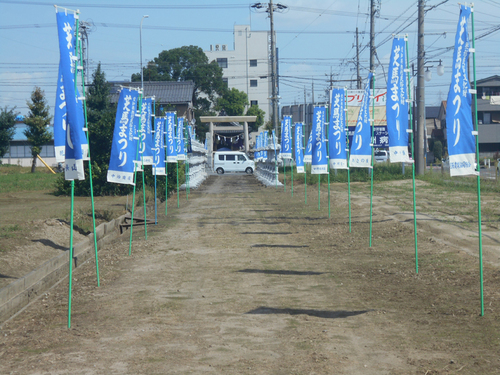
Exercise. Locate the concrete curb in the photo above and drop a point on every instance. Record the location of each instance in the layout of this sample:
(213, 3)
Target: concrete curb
(20, 293)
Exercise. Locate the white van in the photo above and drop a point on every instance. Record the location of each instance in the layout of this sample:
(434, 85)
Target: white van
(232, 161)
(381, 156)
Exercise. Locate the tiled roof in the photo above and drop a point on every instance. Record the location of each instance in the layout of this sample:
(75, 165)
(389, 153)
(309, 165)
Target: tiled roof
(432, 112)
(164, 91)
(21, 127)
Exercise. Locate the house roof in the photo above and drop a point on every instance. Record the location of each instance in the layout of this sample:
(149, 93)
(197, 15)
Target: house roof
(493, 81)
(432, 112)
(21, 127)
(164, 91)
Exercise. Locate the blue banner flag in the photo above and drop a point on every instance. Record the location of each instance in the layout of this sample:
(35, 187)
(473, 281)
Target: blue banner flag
(337, 130)
(159, 147)
(60, 116)
(319, 151)
(397, 104)
(308, 152)
(146, 134)
(286, 138)
(171, 142)
(361, 148)
(459, 127)
(75, 119)
(299, 148)
(123, 147)
(181, 148)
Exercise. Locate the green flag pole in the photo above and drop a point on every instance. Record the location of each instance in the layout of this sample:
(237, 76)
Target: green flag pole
(71, 252)
(154, 122)
(138, 114)
(372, 120)
(186, 162)
(348, 156)
(412, 153)
(305, 167)
(177, 163)
(478, 169)
(319, 192)
(291, 168)
(79, 44)
(328, 163)
(143, 181)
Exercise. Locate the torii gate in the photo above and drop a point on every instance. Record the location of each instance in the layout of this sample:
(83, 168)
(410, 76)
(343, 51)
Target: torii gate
(243, 129)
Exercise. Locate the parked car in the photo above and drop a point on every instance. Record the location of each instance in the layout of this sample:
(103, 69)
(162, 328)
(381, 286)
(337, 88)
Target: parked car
(381, 156)
(232, 161)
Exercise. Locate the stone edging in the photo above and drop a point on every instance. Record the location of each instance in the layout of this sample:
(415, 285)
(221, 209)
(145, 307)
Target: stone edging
(20, 293)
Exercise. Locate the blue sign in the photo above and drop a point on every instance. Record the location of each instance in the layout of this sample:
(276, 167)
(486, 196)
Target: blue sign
(286, 137)
(337, 130)
(459, 127)
(319, 151)
(146, 133)
(75, 119)
(299, 148)
(181, 148)
(396, 104)
(171, 142)
(124, 145)
(308, 153)
(159, 148)
(361, 148)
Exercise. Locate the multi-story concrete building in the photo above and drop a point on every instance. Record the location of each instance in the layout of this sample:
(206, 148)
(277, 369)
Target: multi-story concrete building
(247, 67)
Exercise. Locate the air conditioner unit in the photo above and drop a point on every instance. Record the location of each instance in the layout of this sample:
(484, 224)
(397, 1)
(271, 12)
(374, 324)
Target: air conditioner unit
(217, 47)
(224, 47)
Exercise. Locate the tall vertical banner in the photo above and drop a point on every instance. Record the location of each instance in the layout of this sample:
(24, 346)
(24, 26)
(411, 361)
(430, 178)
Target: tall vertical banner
(299, 152)
(286, 138)
(459, 127)
(181, 151)
(337, 130)
(159, 149)
(123, 147)
(361, 149)
(319, 151)
(397, 104)
(308, 151)
(171, 142)
(60, 116)
(75, 120)
(146, 134)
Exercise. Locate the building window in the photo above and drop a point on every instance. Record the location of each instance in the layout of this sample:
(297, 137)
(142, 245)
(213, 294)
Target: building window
(222, 62)
(254, 102)
(253, 83)
(253, 63)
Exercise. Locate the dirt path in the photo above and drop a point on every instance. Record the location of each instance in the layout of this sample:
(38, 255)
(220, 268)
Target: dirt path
(244, 279)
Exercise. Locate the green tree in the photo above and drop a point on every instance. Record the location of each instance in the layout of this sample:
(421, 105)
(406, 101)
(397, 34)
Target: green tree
(233, 102)
(184, 64)
(7, 124)
(38, 120)
(255, 111)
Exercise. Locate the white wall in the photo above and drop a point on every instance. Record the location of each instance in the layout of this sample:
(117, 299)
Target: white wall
(248, 45)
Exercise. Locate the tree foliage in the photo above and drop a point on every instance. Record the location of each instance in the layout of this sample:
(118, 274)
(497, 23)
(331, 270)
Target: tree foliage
(7, 125)
(38, 120)
(232, 102)
(184, 64)
(438, 150)
(255, 111)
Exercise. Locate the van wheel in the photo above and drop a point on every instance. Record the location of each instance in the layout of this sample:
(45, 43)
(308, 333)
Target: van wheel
(220, 171)
(249, 170)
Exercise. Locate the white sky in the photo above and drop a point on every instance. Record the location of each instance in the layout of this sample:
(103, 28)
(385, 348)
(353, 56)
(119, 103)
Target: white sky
(314, 37)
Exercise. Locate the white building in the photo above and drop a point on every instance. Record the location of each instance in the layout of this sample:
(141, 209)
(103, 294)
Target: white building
(247, 67)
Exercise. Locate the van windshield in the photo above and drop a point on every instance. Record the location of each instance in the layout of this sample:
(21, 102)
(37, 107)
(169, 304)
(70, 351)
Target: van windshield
(241, 158)
(380, 153)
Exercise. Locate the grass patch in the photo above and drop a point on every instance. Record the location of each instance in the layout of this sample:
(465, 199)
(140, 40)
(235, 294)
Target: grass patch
(15, 179)
(8, 232)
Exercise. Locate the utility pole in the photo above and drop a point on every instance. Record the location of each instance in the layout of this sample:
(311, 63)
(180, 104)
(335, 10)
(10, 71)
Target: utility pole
(372, 38)
(358, 76)
(274, 94)
(420, 144)
(312, 87)
(305, 110)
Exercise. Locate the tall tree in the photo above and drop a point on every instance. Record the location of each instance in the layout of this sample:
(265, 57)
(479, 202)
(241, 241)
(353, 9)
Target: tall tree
(7, 124)
(184, 64)
(38, 120)
(255, 111)
(232, 102)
